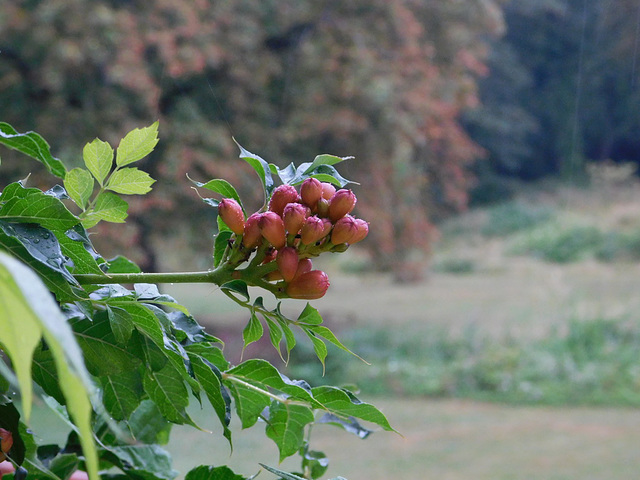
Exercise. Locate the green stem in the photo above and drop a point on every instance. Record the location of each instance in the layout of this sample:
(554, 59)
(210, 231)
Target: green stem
(218, 276)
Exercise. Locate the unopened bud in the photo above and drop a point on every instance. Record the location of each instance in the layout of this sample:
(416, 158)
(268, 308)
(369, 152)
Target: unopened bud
(272, 228)
(344, 230)
(311, 192)
(312, 230)
(328, 190)
(252, 235)
(274, 276)
(363, 230)
(322, 208)
(231, 214)
(341, 204)
(304, 265)
(294, 216)
(287, 261)
(281, 196)
(309, 286)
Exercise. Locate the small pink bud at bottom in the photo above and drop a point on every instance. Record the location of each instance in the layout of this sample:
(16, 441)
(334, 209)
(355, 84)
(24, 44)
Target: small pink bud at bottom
(287, 261)
(272, 228)
(309, 286)
(311, 191)
(304, 265)
(252, 235)
(232, 215)
(281, 196)
(328, 190)
(341, 204)
(294, 216)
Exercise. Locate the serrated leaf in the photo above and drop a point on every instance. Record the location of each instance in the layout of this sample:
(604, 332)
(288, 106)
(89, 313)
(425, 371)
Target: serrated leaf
(220, 245)
(327, 173)
(281, 473)
(98, 158)
(130, 181)
(167, 390)
(122, 264)
(206, 472)
(253, 330)
(122, 393)
(261, 167)
(319, 347)
(211, 380)
(32, 144)
(327, 334)
(286, 427)
(287, 174)
(143, 461)
(76, 245)
(147, 425)
(350, 425)
(31, 205)
(309, 316)
(324, 160)
(137, 144)
(236, 287)
(344, 404)
(222, 187)
(108, 207)
(79, 186)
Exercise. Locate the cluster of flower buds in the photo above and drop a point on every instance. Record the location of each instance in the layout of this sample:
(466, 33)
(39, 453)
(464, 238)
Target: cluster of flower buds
(295, 227)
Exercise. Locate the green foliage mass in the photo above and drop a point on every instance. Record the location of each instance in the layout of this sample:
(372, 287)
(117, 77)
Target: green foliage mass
(121, 364)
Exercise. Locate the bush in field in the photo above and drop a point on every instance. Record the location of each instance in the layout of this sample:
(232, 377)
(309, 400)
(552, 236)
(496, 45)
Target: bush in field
(121, 363)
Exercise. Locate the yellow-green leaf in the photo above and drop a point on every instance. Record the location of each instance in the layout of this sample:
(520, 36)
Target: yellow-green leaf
(137, 144)
(79, 186)
(130, 181)
(98, 157)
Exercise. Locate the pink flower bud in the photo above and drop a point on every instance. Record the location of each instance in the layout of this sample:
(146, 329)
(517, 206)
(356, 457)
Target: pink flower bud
(326, 227)
(304, 266)
(341, 204)
(328, 190)
(231, 214)
(281, 196)
(272, 228)
(312, 230)
(311, 192)
(309, 286)
(287, 261)
(294, 216)
(252, 235)
(363, 231)
(344, 230)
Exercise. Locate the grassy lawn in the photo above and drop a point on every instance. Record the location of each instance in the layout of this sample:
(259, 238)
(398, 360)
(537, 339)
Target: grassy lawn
(452, 440)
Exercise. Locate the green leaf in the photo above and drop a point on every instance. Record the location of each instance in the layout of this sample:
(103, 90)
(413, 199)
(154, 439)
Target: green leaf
(108, 207)
(32, 144)
(31, 205)
(349, 425)
(211, 380)
(319, 347)
(316, 463)
(324, 160)
(281, 473)
(344, 404)
(222, 187)
(253, 331)
(27, 313)
(76, 245)
(137, 144)
(147, 425)
(122, 264)
(286, 427)
(236, 287)
(40, 244)
(130, 181)
(122, 393)
(309, 316)
(206, 472)
(98, 158)
(261, 167)
(143, 461)
(324, 332)
(220, 245)
(167, 390)
(79, 186)
(327, 173)
(10, 420)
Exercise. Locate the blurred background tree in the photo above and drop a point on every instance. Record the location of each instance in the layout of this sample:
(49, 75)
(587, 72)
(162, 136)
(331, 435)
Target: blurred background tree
(417, 90)
(382, 80)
